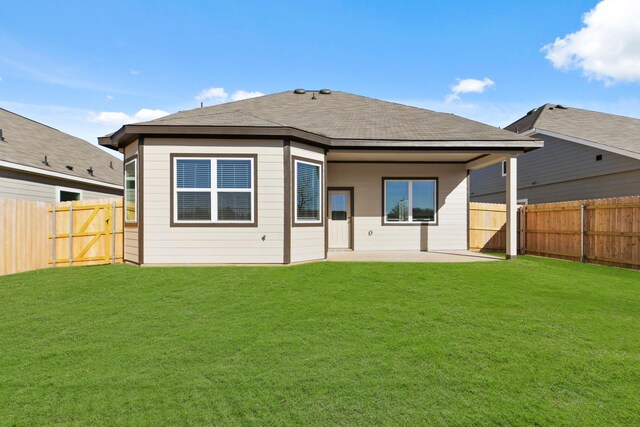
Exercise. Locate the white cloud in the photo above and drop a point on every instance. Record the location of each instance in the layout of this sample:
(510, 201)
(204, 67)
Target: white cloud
(0, 78)
(117, 118)
(110, 98)
(607, 48)
(468, 86)
(134, 72)
(216, 94)
(243, 94)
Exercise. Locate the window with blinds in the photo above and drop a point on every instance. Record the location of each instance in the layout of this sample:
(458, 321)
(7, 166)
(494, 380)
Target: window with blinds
(216, 190)
(130, 191)
(308, 194)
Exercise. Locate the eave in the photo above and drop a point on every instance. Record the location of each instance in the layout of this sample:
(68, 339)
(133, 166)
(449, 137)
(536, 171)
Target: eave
(129, 133)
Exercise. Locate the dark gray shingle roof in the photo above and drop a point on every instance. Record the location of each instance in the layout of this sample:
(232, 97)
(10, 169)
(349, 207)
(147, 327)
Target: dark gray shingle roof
(340, 115)
(607, 129)
(26, 142)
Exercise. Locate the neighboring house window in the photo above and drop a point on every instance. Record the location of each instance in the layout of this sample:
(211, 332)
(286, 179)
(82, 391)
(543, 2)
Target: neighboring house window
(68, 194)
(308, 196)
(504, 168)
(130, 190)
(215, 190)
(410, 200)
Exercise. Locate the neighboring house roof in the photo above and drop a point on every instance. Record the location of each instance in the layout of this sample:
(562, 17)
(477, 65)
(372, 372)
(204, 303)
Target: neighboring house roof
(608, 130)
(27, 142)
(338, 118)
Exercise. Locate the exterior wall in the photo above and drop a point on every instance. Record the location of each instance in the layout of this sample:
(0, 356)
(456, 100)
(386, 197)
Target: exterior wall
(131, 230)
(450, 232)
(307, 243)
(164, 244)
(561, 171)
(22, 186)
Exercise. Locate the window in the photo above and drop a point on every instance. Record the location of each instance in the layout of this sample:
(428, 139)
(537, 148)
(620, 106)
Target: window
(68, 194)
(130, 190)
(214, 190)
(308, 198)
(410, 201)
(504, 168)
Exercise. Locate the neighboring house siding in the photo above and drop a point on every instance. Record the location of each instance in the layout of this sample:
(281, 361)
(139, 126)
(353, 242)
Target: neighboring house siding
(131, 230)
(211, 245)
(561, 171)
(17, 185)
(370, 234)
(307, 243)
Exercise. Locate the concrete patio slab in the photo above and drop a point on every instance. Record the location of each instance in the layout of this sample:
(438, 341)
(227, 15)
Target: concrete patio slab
(409, 256)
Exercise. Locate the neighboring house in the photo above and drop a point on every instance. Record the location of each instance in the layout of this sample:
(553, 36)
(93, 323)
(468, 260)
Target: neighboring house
(40, 163)
(287, 177)
(586, 155)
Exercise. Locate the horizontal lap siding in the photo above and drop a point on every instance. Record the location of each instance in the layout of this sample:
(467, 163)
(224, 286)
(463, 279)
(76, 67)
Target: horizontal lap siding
(211, 245)
(370, 234)
(562, 171)
(307, 243)
(131, 244)
(19, 186)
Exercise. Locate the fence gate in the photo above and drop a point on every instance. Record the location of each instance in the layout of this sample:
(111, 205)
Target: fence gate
(86, 233)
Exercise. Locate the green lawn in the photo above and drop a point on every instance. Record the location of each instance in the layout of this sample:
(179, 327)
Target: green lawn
(528, 342)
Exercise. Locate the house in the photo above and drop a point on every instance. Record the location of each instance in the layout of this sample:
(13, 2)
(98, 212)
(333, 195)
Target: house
(586, 155)
(287, 177)
(40, 163)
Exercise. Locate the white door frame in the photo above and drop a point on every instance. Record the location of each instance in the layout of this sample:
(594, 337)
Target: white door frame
(351, 216)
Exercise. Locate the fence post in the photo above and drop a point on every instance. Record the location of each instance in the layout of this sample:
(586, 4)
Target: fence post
(70, 233)
(582, 259)
(53, 234)
(113, 232)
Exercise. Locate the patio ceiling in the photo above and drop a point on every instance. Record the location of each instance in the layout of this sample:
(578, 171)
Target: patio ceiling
(473, 158)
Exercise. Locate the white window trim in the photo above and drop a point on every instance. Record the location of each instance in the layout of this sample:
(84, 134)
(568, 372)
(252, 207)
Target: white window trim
(213, 190)
(503, 168)
(410, 207)
(70, 190)
(295, 192)
(135, 197)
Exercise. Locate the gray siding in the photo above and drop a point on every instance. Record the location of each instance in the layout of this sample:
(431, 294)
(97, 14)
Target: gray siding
(561, 171)
(21, 186)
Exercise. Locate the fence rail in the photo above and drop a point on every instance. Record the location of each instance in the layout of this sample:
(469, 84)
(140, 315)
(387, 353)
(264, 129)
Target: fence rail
(39, 235)
(602, 231)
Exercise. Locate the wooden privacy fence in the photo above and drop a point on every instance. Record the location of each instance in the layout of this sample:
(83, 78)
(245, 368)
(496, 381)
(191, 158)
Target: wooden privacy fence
(39, 235)
(86, 232)
(602, 231)
(24, 227)
(487, 226)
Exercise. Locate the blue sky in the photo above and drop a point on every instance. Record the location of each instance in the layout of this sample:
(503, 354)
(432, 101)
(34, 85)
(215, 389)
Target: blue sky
(85, 67)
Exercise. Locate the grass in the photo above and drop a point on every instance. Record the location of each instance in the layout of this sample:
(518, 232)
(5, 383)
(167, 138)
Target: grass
(528, 342)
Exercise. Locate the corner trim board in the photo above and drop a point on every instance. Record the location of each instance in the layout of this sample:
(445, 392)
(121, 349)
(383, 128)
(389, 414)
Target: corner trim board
(286, 159)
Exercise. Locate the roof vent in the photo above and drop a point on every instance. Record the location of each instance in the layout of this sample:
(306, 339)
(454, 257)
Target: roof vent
(299, 91)
(530, 112)
(561, 107)
(325, 91)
